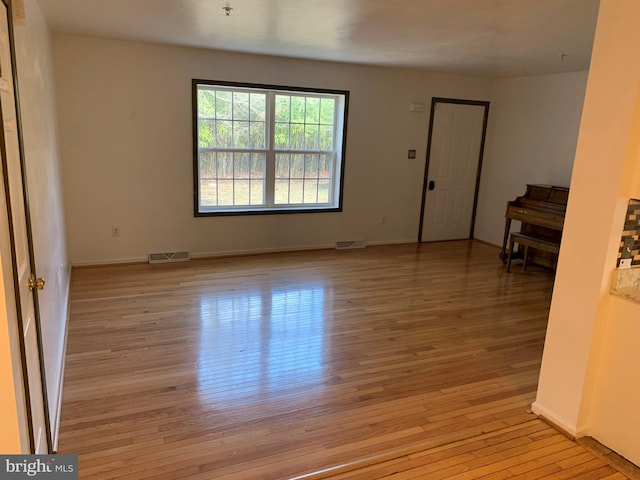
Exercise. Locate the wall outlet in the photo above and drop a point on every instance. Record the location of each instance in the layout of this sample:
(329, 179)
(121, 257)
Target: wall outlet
(625, 263)
(115, 231)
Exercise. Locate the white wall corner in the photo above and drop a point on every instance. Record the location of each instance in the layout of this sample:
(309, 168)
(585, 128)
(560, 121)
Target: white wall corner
(558, 421)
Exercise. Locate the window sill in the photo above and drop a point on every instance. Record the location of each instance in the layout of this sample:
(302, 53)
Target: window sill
(266, 211)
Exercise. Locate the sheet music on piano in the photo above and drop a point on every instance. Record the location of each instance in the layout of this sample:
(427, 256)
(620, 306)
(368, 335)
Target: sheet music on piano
(541, 210)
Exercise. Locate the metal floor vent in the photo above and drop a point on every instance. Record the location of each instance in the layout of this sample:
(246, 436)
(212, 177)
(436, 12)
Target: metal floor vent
(167, 257)
(348, 244)
(19, 14)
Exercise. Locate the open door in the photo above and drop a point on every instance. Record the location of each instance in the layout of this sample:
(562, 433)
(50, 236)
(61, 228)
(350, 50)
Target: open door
(452, 173)
(26, 283)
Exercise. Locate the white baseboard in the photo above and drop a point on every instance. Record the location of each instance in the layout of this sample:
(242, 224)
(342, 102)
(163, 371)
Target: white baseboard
(55, 433)
(257, 251)
(115, 261)
(231, 253)
(393, 242)
(559, 422)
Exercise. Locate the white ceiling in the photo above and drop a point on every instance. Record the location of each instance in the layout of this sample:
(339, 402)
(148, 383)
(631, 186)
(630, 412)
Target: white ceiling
(485, 37)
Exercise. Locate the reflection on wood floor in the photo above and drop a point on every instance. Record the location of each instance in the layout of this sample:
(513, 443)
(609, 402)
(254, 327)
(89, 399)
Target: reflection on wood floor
(272, 366)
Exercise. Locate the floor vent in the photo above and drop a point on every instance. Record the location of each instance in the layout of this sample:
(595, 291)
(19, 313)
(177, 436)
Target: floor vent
(19, 14)
(167, 257)
(348, 244)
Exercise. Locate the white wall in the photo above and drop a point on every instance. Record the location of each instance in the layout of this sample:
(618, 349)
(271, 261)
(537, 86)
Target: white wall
(589, 375)
(37, 102)
(126, 142)
(531, 138)
(614, 414)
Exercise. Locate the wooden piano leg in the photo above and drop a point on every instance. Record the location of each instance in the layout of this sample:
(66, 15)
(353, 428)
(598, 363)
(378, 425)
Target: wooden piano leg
(511, 242)
(503, 253)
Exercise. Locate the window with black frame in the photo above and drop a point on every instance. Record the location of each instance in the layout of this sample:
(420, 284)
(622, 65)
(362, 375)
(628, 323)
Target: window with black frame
(267, 149)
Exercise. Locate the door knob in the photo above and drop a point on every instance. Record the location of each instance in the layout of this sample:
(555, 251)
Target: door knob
(432, 184)
(36, 283)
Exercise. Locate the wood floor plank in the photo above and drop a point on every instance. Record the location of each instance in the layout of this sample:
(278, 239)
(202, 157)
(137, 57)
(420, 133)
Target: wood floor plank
(534, 451)
(272, 366)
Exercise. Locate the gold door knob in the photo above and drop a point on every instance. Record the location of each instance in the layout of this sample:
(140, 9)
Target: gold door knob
(36, 283)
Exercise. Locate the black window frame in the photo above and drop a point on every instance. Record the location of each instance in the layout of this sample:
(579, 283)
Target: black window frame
(340, 151)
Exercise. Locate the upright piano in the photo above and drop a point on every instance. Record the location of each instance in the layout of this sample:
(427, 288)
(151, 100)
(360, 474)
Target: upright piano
(541, 210)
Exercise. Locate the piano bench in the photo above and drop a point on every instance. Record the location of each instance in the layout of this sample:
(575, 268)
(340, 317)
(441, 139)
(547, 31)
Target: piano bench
(527, 241)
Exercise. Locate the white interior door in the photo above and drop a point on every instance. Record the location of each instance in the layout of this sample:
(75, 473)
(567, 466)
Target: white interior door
(456, 140)
(25, 285)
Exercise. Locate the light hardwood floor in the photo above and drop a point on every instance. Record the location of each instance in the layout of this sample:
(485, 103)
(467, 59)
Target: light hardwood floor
(526, 451)
(272, 366)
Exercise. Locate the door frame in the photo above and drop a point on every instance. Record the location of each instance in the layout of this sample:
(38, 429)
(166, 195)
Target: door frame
(434, 101)
(31, 253)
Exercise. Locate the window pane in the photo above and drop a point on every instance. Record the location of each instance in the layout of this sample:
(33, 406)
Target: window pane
(312, 114)
(281, 136)
(310, 191)
(225, 193)
(297, 109)
(241, 192)
(257, 192)
(257, 135)
(241, 134)
(282, 166)
(207, 164)
(295, 191)
(208, 194)
(327, 109)
(281, 191)
(304, 131)
(297, 136)
(324, 166)
(258, 163)
(311, 137)
(240, 106)
(208, 191)
(225, 165)
(297, 166)
(241, 166)
(206, 133)
(258, 109)
(223, 105)
(326, 137)
(206, 103)
(224, 132)
(282, 108)
(323, 191)
(311, 166)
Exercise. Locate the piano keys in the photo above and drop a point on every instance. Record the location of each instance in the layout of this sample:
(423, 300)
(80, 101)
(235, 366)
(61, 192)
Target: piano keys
(541, 210)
